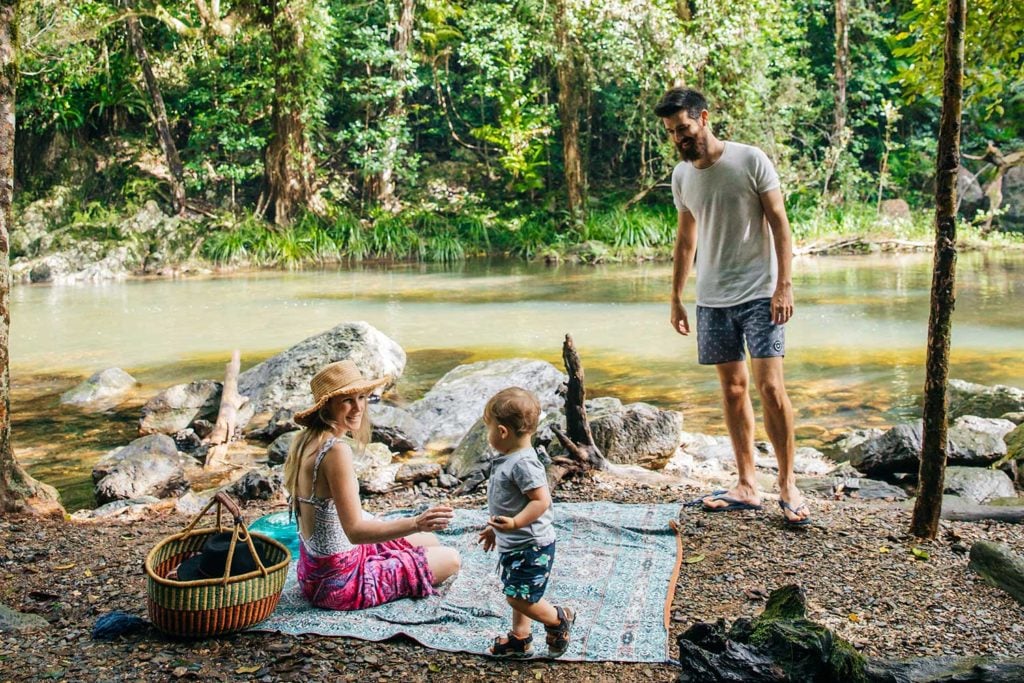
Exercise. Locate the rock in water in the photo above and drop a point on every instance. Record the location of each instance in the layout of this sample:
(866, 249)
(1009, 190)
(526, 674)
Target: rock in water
(282, 381)
(105, 389)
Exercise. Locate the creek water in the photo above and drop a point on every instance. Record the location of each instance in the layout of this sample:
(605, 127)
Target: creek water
(855, 347)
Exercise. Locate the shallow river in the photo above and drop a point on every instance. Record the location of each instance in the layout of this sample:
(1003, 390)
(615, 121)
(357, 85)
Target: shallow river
(855, 348)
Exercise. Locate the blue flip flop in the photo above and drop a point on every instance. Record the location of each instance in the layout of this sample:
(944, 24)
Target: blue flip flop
(796, 511)
(733, 504)
(699, 500)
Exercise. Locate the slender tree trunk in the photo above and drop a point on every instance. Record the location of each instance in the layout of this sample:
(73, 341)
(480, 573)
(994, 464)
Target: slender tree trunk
(840, 136)
(842, 65)
(18, 490)
(159, 113)
(288, 162)
(570, 102)
(383, 185)
(925, 523)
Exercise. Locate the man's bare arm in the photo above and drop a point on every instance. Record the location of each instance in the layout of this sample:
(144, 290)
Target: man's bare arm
(775, 212)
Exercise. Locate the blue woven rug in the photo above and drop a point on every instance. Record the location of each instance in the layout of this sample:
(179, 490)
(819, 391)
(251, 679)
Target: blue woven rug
(616, 565)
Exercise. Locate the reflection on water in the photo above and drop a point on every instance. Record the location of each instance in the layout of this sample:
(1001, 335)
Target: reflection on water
(855, 347)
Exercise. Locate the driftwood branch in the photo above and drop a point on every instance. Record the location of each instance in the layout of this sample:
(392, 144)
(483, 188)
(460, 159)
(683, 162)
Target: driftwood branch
(227, 417)
(583, 453)
(857, 244)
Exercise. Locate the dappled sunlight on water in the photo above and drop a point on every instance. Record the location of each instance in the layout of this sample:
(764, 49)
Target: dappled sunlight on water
(855, 349)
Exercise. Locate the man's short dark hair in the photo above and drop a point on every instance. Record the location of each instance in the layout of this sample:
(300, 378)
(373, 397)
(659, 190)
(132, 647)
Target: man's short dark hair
(681, 99)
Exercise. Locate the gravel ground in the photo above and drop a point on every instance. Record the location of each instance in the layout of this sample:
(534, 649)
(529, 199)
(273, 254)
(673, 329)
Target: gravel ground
(856, 563)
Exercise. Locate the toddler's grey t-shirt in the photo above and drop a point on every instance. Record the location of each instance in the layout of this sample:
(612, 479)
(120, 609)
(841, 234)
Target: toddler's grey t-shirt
(511, 475)
(736, 260)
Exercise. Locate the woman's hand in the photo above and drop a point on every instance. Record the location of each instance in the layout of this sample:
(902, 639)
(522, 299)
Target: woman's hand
(434, 519)
(486, 538)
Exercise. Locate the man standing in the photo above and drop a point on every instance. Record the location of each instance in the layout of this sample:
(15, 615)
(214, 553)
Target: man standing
(732, 216)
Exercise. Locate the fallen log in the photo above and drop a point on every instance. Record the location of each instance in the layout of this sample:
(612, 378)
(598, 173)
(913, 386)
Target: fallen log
(946, 670)
(1000, 567)
(227, 416)
(985, 513)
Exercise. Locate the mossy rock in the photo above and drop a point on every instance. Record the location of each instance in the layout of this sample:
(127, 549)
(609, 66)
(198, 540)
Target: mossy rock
(780, 644)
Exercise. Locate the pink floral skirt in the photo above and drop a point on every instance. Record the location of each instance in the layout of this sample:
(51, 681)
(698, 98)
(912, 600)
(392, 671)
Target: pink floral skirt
(366, 576)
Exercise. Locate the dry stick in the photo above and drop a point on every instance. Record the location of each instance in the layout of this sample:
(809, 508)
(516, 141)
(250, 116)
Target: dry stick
(227, 417)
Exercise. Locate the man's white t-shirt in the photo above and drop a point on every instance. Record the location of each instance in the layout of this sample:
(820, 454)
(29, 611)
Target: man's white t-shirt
(736, 260)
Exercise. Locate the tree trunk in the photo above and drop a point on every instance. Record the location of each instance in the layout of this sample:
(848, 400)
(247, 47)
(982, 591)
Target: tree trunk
(842, 66)
(584, 455)
(840, 136)
(383, 185)
(159, 113)
(18, 490)
(928, 508)
(288, 162)
(570, 101)
(227, 417)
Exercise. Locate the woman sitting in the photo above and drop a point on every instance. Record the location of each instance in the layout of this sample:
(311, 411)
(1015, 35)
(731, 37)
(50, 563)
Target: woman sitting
(349, 560)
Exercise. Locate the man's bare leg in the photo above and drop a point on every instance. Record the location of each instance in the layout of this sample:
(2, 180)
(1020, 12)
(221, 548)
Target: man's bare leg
(739, 420)
(778, 422)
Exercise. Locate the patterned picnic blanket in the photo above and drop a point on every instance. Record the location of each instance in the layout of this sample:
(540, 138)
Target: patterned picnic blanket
(616, 564)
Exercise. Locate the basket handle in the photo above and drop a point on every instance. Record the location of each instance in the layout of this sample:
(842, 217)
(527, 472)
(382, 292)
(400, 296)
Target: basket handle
(221, 500)
(241, 534)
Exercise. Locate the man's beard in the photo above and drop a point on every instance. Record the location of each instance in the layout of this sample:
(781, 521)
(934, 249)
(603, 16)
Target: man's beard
(693, 151)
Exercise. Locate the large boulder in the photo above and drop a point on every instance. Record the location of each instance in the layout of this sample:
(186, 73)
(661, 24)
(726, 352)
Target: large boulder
(457, 401)
(148, 466)
(174, 408)
(264, 483)
(1014, 441)
(979, 440)
(283, 380)
(849, 445)
(897, 450)
(637, 434)
(277, 452)
(967, 398)
(978, 484)
(397, 428)
(473, 454)
(105, 389)
(1013, 200)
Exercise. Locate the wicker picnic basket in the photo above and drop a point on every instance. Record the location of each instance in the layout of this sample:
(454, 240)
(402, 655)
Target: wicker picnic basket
(210, 607)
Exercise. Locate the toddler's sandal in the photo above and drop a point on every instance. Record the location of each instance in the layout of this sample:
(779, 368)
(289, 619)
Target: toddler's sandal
(512, 648)
(558, 636)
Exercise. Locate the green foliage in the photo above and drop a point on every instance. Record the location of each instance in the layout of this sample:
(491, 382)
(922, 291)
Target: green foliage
(392, 237)
(466, 120)
(631, 231)
(993, 52)
(814, 222)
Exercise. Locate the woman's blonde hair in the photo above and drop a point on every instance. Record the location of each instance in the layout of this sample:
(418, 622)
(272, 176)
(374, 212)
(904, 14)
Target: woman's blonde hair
(319, 424)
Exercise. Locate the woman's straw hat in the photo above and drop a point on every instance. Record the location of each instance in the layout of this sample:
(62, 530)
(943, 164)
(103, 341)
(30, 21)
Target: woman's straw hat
(336, 379)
